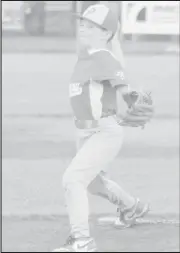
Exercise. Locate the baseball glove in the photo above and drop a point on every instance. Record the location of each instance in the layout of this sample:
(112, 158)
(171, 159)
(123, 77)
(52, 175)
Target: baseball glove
(140, 109)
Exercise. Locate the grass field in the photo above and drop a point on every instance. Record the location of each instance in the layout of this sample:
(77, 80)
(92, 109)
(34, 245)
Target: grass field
(38, 144)
(35, 214)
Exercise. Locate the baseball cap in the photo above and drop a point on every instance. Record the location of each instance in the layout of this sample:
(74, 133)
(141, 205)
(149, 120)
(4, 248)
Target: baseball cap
(102, 16)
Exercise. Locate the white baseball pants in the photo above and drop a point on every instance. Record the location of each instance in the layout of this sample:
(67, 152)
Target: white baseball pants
(97, 148)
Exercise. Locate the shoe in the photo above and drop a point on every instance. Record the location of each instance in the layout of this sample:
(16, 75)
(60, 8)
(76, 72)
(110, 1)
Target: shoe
(127, 217)
(84, 244)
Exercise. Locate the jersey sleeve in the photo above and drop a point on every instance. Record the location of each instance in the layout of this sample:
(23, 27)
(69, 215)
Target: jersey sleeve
(118, 79)
(110, 68)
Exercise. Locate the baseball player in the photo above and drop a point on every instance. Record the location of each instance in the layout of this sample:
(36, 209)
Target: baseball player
(102, 103)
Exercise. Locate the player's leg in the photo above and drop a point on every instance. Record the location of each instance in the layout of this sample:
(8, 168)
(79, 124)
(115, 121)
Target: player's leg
(98, 151)
(104, 187)
(129, 208)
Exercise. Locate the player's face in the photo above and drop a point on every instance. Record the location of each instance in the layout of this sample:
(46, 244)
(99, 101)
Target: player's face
(90, 35)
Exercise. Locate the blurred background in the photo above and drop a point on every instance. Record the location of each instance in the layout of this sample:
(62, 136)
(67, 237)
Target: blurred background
(140, 20)
(149, 33)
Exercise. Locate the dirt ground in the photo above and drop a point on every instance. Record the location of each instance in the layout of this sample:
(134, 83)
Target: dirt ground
(38, 143)
(38, 235)
(34, 210)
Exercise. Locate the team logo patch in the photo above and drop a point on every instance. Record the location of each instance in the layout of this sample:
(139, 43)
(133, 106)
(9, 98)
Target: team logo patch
(120, 74)
(75, 89)
(90, 11)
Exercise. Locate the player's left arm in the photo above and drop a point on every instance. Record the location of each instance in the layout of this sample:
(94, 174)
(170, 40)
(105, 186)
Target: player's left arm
(134, 108)
(122, 88)
(121, 104)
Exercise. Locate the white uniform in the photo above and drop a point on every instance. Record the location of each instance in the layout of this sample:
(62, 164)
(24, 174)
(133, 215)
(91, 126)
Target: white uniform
(92, 91)
(99, 137)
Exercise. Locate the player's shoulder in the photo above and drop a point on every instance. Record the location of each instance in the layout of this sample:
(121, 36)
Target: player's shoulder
(104, 57)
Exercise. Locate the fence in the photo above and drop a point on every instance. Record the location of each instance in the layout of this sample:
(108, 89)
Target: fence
(38, 17)
(150, 17)
(137, 17)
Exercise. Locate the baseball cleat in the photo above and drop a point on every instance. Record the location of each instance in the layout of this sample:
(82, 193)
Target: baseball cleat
(84, 244)
(127, 217)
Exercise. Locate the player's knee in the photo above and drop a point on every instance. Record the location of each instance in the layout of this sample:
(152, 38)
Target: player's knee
(70, 180)
(96, 186)
(91, 189)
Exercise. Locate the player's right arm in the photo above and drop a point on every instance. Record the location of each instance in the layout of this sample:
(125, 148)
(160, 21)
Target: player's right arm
(117, 49)
(115, 43)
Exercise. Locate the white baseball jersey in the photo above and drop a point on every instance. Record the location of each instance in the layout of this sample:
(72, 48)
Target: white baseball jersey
(93, 85)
